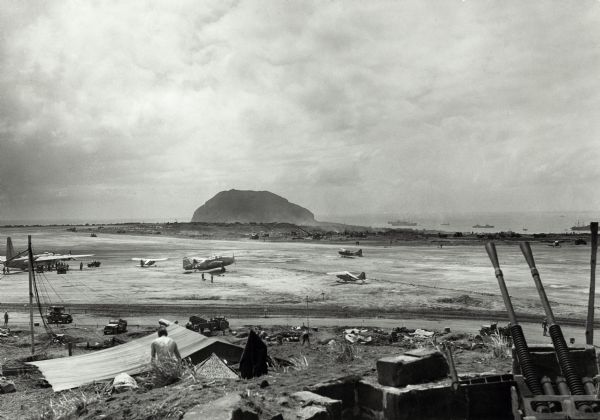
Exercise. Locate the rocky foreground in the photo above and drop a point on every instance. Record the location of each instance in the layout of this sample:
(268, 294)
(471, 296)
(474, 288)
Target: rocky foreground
(333, 353)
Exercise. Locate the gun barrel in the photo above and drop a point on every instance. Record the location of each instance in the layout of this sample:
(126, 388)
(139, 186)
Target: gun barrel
(490, 247)
(563, 356)
(589, 325)
(516, 332)
(549, 390)
(528, 254)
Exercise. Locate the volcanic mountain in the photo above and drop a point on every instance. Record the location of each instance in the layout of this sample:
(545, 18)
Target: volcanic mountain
(251, 206)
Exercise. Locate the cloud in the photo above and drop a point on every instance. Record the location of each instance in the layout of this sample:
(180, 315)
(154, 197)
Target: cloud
(146, 110)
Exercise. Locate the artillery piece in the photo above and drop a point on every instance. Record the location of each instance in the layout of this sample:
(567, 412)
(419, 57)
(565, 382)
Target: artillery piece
(552, 382)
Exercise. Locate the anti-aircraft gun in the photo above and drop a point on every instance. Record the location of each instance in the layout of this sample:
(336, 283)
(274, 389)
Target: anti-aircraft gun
(552, 382)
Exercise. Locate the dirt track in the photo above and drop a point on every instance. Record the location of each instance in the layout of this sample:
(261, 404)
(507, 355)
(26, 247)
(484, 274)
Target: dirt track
(144, 316)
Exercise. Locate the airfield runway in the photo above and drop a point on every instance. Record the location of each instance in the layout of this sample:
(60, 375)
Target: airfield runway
(284, 274)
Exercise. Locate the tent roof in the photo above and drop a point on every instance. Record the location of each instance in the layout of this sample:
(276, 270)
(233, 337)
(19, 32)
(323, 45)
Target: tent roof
(132, 357)
(215, 368)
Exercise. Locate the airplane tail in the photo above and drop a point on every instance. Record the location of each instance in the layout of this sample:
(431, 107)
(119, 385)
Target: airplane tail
(359, 253)
(362, 276)
(187, 264)
(10, 250)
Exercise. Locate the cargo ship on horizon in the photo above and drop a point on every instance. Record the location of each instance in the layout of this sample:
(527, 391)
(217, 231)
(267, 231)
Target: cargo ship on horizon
(402, 223)
(580, 227)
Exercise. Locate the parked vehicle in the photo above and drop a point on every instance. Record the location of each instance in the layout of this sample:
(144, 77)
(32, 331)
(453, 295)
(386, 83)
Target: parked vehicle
(492, 329)
(57, 315)
(199, 324)
(115, 326)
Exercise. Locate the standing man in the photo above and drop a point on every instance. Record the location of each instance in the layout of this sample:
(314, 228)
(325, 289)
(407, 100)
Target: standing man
(6, 319)
(81, 266)
(164, 348)
(545, 327)
(305, 337)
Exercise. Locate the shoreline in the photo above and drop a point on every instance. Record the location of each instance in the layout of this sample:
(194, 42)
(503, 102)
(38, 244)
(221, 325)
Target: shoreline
(330, 233)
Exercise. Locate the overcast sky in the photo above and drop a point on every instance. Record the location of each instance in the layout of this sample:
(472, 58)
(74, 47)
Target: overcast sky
(141, 109)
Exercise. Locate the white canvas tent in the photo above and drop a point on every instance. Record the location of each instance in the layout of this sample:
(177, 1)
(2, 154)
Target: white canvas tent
(131, 358)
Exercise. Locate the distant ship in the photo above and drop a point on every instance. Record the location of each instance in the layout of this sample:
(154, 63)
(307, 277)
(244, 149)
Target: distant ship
(483, 226)
(580, 227)
(402, 223)
(444, 224)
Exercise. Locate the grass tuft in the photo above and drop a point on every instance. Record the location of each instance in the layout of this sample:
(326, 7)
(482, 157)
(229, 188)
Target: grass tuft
(67, 405)
(343, 352)
(500, 346)
(167, 372)
(297, 363)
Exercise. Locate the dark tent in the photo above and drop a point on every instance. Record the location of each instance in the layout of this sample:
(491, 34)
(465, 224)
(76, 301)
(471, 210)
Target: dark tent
(254, 358)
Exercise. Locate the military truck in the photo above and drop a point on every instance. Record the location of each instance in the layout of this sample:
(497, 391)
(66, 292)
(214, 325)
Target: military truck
(199, 324)
(491, 329)
(57, 315)
(115, 326)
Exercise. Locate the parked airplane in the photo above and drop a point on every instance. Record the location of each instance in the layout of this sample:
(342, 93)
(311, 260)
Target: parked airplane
(206, 265)
(349, 253)
(148, 262)
(21, 261)
(346, 276)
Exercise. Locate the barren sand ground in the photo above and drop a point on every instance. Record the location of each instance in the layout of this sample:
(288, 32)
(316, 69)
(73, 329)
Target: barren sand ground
(275, 274)
(403, 279)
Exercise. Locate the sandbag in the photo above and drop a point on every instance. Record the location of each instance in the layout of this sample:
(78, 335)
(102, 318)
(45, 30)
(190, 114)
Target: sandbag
(123, 382)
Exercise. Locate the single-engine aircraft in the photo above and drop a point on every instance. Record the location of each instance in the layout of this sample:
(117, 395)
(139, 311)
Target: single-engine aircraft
(346, 276)
(21, 262)
(148, 262)
(349, 253)
(216, 263)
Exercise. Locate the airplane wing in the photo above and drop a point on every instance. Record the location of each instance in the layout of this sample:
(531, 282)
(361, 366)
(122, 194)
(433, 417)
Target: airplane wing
(212, 270)
(341, 273)
(61, 257)
(146, 260)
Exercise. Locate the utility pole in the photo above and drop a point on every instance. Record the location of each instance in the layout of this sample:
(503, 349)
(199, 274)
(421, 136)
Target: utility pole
(589, 325)
(307, 318)
(30, 252)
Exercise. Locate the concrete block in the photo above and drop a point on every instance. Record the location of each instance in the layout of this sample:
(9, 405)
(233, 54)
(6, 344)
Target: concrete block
(364, 413)
(414, 368)
(418, 403)
(313, 413)
(6, 387)
(307, 398)
(422, 352)
(229, 407)
(369, 396)
(544, 360)
(338, 389)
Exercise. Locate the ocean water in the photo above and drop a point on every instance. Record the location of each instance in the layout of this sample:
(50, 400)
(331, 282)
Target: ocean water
(520, 222)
